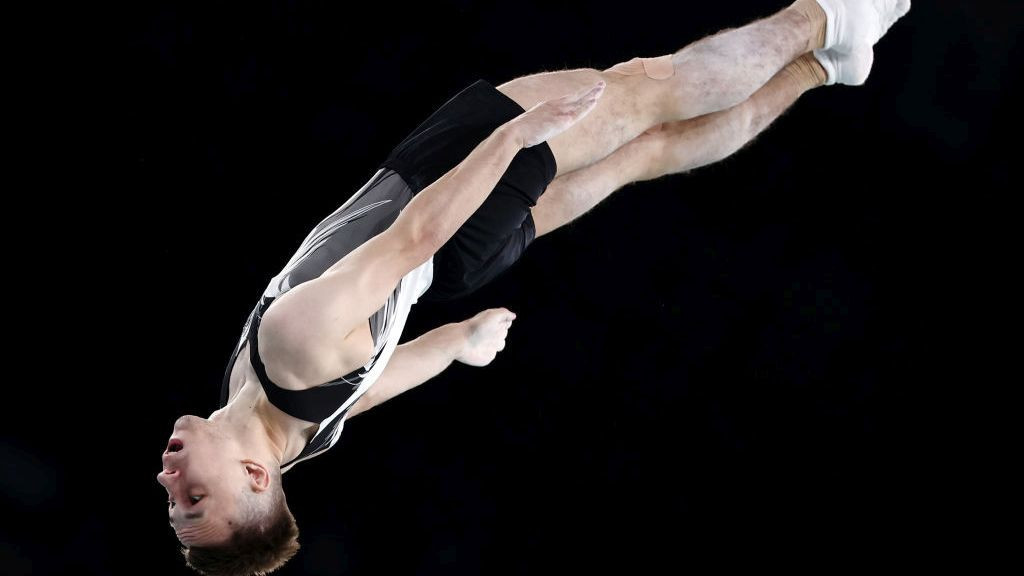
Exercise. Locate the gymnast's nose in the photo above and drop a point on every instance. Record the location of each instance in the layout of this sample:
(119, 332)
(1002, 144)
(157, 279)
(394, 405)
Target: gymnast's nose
(169, 475)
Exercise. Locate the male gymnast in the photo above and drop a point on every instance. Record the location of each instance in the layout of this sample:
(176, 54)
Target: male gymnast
(451, 207)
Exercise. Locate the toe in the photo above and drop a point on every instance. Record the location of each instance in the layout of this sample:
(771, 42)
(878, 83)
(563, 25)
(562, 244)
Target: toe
(889, 11)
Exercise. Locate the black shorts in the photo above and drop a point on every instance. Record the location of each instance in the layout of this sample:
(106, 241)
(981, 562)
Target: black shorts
(500, 230)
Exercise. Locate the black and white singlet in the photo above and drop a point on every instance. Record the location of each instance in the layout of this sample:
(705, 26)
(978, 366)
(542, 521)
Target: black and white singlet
(367, 213)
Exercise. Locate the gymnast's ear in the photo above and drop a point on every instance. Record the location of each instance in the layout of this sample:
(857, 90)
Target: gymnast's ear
(259, 477)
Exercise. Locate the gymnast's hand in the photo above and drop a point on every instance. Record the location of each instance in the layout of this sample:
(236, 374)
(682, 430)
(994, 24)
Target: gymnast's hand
(485, 336)
(549, 118)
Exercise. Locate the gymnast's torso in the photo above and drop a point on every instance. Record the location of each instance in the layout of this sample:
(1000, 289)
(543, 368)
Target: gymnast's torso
(322, 403)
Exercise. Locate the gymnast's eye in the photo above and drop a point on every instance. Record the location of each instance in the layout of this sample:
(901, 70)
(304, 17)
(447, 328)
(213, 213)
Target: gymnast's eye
(195, 499)
(171, 502)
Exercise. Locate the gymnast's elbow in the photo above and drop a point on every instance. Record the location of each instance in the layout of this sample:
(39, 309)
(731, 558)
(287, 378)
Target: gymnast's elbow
(417, 237)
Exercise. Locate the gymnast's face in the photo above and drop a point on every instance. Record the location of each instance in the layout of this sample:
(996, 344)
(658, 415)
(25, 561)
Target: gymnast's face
(202, 476)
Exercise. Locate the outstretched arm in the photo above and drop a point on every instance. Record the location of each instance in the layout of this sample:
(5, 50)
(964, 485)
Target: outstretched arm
(299, 331)
(475, 341)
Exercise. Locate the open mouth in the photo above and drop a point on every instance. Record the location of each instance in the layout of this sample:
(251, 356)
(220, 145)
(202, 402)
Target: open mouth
(174, 445)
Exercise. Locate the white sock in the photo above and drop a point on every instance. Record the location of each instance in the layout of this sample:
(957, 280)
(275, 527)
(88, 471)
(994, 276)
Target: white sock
(854, 24)
(850, 69)
(899, 11)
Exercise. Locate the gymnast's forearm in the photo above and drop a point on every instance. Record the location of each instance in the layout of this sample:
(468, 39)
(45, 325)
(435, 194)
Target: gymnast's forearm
(437, 211)
(417, 361)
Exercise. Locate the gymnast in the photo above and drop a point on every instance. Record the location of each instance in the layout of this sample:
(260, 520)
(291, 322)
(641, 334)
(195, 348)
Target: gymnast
(450, 208)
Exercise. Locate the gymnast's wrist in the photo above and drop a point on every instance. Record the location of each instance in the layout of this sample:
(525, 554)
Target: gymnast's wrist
(451, 339)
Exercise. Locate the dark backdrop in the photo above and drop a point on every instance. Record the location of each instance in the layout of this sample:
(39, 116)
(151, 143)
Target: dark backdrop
(783, 356)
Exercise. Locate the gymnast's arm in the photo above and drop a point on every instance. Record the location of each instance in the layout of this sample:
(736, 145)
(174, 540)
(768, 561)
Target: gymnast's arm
(299, 331)
(474, 342)
(412, 364)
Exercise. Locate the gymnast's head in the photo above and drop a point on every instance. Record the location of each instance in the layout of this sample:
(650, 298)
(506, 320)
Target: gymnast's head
(225, 501)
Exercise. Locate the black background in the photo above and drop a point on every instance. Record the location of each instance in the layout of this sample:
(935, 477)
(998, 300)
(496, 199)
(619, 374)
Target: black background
(788, 357)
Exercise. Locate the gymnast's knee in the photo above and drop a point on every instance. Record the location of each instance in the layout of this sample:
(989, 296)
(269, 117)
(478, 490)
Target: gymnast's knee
(656, 68)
